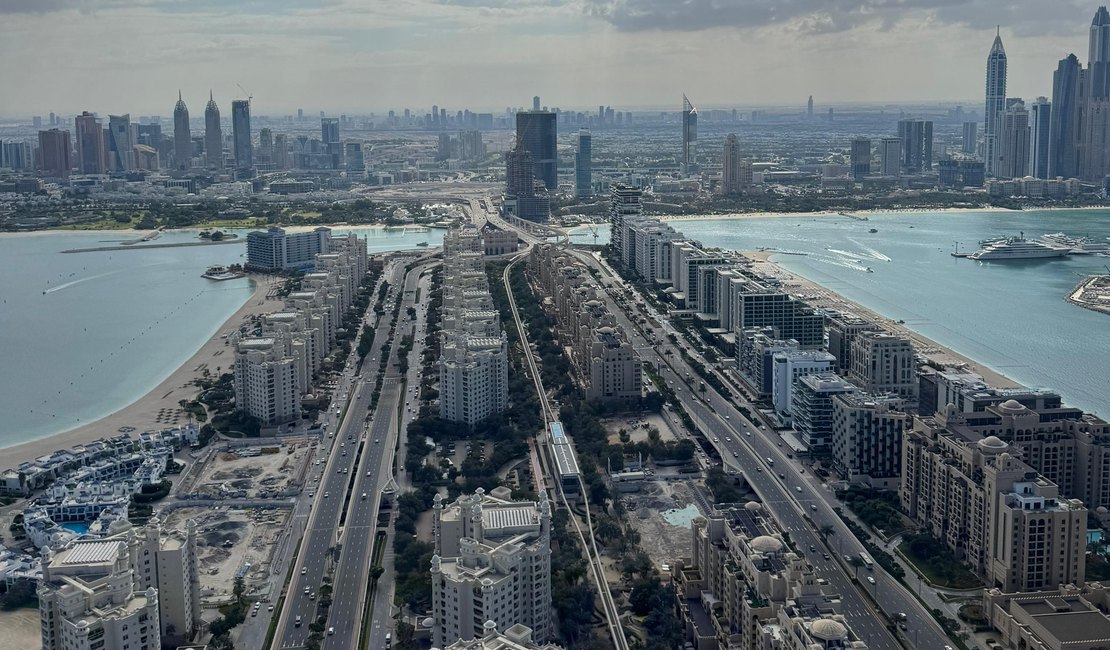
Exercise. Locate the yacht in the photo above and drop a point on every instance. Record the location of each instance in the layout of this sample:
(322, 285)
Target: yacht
(1078, 245)
(1019, 248)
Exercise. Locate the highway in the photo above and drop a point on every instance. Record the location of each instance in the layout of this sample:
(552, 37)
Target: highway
(351, 580)
(328, 485)
(801, 503)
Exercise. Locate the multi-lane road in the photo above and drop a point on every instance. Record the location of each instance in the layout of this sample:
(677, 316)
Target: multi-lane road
(801, 503)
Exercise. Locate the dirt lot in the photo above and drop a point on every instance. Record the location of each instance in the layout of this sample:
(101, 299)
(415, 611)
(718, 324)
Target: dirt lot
(21, 629)
(635, 428)
(228, 540)
(241, 475)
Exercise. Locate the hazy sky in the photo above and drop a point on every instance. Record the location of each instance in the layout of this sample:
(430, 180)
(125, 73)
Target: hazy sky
(114, 56)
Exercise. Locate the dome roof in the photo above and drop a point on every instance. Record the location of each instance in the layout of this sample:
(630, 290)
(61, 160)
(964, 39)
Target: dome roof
(1011, 405)
(605, 330)
(992, 442)
(752, 506)
(766, 544)
(827, 629)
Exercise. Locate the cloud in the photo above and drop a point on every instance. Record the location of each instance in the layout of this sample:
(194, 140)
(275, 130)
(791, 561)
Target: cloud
(1022, 16)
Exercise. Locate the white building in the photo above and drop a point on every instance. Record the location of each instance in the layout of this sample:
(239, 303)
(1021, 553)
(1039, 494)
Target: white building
(787, 367)
(90, 599)
(266, 384)
(884, 363)
(492, 562)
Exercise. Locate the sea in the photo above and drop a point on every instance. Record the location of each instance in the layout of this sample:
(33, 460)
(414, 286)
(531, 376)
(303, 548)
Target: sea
(1010, 316)
(85, 334)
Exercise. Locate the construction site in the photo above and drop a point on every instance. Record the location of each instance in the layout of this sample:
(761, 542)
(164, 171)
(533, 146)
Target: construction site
(265, 472)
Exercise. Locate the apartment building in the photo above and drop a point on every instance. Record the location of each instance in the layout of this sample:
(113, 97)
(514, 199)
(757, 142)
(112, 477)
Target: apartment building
(473, 363)
(266, 384)
(884, 363)
(276, 250)
(492, 563)
(1070, 616)
(812, 409)
(789, 366)
(743, 587)
(167, 560)
(865, 438)
(842, 330)
(1008, 522)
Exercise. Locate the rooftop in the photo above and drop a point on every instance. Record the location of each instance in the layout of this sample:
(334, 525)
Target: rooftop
(89, 553)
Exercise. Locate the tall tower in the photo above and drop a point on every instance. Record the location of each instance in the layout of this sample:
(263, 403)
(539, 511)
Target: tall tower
(92, 147)
(213, 135)
(917, 144)
(241, 133)
(730, 166)
(1063, 143)
(1095, 145)
(583, 165)
(536, 103)
(182, 143)
(861, 158)
(689, 137)
(121, 146)
(1013, 141)
(809, 108)
(1098, 56)
(55, 153)
(536, 133)
(1040, 119)
(995, 104)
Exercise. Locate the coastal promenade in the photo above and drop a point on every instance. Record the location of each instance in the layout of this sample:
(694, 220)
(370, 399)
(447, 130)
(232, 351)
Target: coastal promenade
(143, 413)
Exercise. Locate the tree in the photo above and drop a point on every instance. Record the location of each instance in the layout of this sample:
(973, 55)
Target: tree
(826, 531)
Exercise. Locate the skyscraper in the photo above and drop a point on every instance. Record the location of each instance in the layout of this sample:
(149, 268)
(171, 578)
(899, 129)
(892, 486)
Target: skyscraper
(995, 104)
(265, 148)
(281, 152)
(182, 143)
(731, 181)
(890, 156)
(519, 173)
(241, 133)
(536, 103)
(536, 132)
(809, 108)
(213, 135)
(1063, 151)
(92, 147)
(917, 144)
(689, 137)
(121, 148)
(55, 153)
(1094, 160)
(970, 136)
(861, 157)
(1013, 141)
(329, 134)
(1039, 125)
(583, 165)
(1098, 56)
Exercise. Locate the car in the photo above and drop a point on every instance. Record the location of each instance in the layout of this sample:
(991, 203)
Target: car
(715, 439)
(759, 469)
(798, 488)
(812, 548)
(307, 591)
(254, 612)
(327, 494)
(727, 417)
(270, 608)
(826, 555)
(312, 596)
(377, 440)
(802, 471)
(331, 631)
(748, 433)
(871, 579)
(304, 570)
(363, 496)
(368, 473)
(813, 507)
(781, 475)
(735, 454)
(297, 623)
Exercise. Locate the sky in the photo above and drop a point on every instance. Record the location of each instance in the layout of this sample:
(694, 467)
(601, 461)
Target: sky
(358, 56)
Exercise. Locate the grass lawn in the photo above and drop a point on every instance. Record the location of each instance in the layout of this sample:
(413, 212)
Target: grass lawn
(941, 570)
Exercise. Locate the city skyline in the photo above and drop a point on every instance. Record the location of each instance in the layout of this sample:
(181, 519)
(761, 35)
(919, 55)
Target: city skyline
(585, 44)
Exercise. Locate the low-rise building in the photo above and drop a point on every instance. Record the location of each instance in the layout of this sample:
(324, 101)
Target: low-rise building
(1070, 616)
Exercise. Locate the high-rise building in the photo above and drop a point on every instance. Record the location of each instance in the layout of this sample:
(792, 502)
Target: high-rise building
(1040, 120)
(812, 409)
(689, 137)
(995, 103)
(970, 136)
(861, 158)
(536, 133)
(890, 156)
(92, 146)
(55, 153)
(1013, 142)
(866, 438)
(536, 103)
(266, 381)
(1095, 145)
(241, 134)
(182, 142)
(1098, 56)
(16, 155)
(276, 250)
(884, 363)
(329, 135)
(265, 148)
(356, 161)
(583, 165)
(492, 562)
(917, 144)
(281, 151)
(121, 146)
(213, 135)
(809, 107)
(624, 204)
(732, 181)
(1063, 139)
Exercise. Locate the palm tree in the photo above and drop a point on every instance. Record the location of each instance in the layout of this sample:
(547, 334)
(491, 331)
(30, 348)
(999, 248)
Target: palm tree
(826, 531)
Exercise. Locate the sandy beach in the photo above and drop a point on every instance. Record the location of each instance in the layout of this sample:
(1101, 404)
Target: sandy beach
(159, 408)
(818, 296)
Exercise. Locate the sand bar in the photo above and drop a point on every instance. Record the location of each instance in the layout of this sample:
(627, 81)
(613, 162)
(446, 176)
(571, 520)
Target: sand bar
(143, 414)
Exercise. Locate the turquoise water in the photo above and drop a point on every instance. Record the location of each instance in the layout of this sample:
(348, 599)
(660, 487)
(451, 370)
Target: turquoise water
(111, 325)
(1010, 316)
(80, 529)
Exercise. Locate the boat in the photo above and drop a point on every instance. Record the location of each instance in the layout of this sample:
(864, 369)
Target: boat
(422, 244)
(1078, 245)
(1019, 248)
(220, 273)
(870, 270)
(872, 230)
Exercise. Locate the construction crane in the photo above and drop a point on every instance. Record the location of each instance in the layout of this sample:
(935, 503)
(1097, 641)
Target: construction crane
(249, 96)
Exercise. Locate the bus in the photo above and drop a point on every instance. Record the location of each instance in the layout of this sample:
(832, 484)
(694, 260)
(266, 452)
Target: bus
(866, 561)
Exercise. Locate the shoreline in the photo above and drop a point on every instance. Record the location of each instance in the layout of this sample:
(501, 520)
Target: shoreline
(794, 283)
(134, 234)
(142, 414)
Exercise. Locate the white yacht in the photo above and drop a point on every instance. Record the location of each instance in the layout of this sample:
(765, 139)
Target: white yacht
(1019, 248)
(1078, 245)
